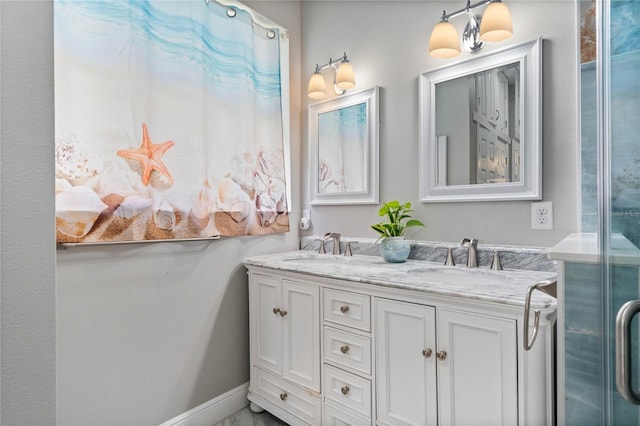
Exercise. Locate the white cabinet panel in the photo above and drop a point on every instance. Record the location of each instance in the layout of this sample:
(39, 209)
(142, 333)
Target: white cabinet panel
(406, 377)
(266, 342)
(477, 381)
(301, 331)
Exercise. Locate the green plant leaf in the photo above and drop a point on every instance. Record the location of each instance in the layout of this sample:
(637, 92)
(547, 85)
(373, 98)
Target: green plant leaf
(414, 222)
(398, 219)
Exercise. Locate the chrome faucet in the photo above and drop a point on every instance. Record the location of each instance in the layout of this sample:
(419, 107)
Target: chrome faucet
(336, 241)
(472, 252)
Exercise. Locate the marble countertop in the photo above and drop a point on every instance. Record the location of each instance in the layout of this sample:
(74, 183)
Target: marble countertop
(585, 248)
(508, 286)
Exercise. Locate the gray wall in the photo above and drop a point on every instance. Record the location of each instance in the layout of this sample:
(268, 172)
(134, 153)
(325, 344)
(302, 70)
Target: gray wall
(27, 245)
(387, 44)
(144, 331)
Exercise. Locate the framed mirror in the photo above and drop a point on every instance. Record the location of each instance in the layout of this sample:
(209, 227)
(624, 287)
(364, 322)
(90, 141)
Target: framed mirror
(343, 149)
(480, 128)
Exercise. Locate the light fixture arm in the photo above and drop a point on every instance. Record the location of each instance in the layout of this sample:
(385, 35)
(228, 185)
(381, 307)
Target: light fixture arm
(467, 8)
(332, 64)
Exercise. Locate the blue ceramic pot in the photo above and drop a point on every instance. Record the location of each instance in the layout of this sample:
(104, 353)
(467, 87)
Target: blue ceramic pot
(395, 249)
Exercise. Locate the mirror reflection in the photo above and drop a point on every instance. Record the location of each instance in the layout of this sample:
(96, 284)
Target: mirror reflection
(481, 127)
(342, 141)
(477, 127)
(343, 149)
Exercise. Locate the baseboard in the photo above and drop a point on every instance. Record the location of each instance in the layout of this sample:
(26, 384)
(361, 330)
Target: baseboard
(215, 410)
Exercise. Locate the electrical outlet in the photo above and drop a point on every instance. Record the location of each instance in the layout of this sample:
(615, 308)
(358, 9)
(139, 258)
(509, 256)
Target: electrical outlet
(542, 215)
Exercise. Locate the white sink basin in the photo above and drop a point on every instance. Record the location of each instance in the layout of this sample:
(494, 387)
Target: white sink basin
(333, 262)
(471, 275)
(311, 258)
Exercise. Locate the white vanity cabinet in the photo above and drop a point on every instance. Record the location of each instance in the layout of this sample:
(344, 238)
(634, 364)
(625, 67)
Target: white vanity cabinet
(333, 351)
(440, 366)
(285, 347)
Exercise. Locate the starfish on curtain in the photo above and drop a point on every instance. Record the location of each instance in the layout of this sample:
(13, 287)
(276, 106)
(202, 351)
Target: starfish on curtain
(149, 155)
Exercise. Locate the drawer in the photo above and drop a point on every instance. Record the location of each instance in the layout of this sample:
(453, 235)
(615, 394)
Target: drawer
(347, 389)
(334, 416)
(348, 350)
(350, 309)
(289, 397)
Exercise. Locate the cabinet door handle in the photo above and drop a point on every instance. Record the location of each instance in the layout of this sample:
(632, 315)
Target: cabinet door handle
(344, 349)
(427, 352)
(283, 313)
(344, 309)
(276, 311)
(344, 390)
(283, 396)
(442, 355)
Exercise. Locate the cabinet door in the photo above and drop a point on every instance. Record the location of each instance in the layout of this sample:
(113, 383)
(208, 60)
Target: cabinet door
(301, 334)
(477, 381)
(266, 323)
(406, 377)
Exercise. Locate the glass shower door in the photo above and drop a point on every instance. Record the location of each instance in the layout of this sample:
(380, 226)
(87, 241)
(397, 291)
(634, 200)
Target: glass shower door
(602, 354)
(618, 127)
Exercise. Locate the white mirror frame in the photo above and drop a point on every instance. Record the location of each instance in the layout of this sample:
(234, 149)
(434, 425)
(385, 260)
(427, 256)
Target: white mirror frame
(529, 55)
(371, 149)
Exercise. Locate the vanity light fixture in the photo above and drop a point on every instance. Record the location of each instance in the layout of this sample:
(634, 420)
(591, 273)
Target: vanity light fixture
(344, 78)
(495, 25)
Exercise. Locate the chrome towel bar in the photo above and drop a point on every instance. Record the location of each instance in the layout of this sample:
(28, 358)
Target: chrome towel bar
(549, 287)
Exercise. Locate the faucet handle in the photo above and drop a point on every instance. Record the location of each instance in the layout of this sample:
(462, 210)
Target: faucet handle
(347, 249)
(495, 264)
(322, 249)
(449, 261)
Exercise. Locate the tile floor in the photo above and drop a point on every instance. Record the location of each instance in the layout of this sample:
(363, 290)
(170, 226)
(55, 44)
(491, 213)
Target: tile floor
(246, 417)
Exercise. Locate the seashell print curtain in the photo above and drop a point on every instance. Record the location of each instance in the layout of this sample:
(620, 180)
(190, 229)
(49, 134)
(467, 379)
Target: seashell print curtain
(169, 122)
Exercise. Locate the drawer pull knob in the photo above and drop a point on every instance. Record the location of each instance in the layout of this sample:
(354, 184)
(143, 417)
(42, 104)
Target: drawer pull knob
(276, 311)
(283, 313)
(344, 349)
(344, 309)
(344, 390)
(442, 355)
(283, 396)
(427, 353)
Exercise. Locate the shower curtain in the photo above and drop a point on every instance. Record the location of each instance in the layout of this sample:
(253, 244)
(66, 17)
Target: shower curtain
(169, 122)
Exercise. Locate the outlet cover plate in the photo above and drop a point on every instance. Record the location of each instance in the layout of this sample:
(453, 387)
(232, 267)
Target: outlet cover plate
(542, 215)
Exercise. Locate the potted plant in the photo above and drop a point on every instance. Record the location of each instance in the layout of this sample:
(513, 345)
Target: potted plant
(394, 247)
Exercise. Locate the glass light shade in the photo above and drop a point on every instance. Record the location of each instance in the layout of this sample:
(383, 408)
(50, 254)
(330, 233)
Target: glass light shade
(444, 42)
(496, 23)
(317, 87)
(345, 79)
